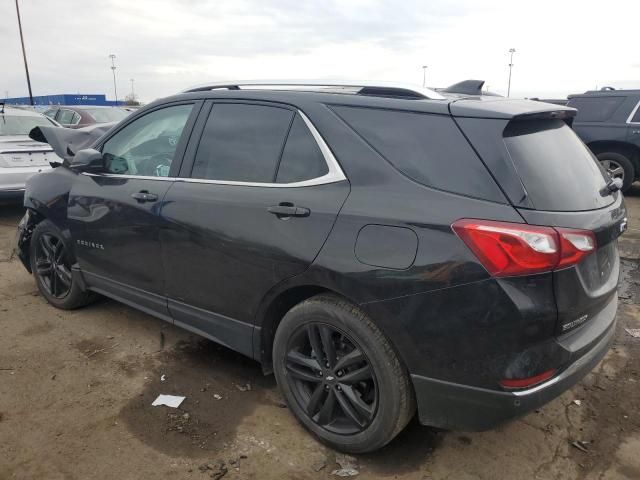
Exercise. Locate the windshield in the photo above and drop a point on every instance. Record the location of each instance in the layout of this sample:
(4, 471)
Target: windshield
(556, 168)
(21, 124)
(106, 115)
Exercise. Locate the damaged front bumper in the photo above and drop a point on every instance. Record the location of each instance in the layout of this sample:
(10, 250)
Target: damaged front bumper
(23, 238)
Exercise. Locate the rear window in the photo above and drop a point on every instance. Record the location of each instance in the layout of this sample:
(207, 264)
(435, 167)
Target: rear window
(595, 109)
(427, 148)
(557, 170)
(107, 115)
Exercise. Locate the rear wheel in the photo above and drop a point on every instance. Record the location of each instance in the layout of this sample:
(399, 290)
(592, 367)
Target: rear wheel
(618, 166)
(340, 376)
(51, 267)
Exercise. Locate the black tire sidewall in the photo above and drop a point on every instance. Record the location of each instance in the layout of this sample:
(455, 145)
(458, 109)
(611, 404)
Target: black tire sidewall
(389, 408)
(76, 296)
(624, 162)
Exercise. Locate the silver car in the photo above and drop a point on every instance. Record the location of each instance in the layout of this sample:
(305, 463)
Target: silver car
(21, 157)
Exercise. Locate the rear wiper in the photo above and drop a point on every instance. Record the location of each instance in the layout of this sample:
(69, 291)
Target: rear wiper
(612, 185)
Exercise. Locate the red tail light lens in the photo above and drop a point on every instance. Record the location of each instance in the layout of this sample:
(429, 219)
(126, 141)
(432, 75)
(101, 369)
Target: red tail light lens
(528, 382)
(510, 249)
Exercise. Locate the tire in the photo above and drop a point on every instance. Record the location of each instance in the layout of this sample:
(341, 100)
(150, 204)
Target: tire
(380, 404)
(51, 267)
(621, 165)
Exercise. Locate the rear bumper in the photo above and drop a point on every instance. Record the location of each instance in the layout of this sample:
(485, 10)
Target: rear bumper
(460, 407)
(13, 180)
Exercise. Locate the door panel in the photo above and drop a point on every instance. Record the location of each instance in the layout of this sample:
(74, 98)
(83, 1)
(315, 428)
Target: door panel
(224, 250)
(115, 235)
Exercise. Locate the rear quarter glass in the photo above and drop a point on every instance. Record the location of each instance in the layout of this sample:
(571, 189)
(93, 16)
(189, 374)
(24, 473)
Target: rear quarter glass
(427, 148)
(557, 170)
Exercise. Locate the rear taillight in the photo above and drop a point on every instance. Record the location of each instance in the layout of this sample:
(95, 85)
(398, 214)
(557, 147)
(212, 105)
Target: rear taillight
(511, 249)
(528, 382)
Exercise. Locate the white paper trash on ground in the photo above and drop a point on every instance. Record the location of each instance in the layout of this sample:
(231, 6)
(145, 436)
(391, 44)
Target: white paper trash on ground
(634, 332)
(172, 401)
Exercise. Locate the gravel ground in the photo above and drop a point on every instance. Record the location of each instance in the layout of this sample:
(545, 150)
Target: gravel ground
(76, 389)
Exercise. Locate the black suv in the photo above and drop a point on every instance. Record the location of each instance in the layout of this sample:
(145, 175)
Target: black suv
(608, 121)
(378, 248)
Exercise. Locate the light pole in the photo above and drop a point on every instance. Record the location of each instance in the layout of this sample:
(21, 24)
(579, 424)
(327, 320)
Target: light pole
(511, 51)
(113, 70)
(133, 92)
(424, 75)
(24, 54)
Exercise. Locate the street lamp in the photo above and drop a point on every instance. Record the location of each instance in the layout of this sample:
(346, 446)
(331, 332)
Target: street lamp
(24, 54)
(113, 70)
(133, 93)
(511, 51)
(424, 75)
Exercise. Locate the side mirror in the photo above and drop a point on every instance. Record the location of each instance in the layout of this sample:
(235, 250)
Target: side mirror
(87, 160)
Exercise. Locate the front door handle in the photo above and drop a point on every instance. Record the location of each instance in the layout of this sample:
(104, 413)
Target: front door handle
(287, 209)
(144, 196)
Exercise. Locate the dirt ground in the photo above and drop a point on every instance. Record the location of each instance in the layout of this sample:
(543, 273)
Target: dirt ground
(76, 391)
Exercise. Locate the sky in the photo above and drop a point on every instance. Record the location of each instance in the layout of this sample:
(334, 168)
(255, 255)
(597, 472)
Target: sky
(562, 46)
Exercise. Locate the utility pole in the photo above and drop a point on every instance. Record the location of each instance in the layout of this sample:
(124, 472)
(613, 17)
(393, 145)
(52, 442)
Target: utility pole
(24, 54)
(113, 70)
(424, 75)
(511, 51)
(133, 92)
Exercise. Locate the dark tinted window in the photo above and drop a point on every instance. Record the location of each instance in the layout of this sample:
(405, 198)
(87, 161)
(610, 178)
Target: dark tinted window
(242, 143)
(427, 148)
(557, 170)
(636, 116)
(302, 158)
(595, 109)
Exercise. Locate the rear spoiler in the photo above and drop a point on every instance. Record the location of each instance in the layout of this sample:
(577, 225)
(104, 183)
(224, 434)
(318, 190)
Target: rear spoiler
(508, 109)
(67, 142)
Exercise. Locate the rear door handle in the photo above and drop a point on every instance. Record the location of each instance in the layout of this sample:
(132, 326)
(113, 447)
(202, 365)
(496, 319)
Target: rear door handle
(287, 209)
(144, 196)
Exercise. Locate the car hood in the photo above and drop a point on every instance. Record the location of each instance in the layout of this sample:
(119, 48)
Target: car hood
(67, 142)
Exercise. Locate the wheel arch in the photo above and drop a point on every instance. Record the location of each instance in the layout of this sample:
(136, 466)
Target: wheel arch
(629, 150)
(272, 312)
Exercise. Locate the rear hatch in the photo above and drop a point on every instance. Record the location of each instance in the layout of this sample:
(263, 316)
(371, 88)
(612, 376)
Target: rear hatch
(552, 179)
(21, 151)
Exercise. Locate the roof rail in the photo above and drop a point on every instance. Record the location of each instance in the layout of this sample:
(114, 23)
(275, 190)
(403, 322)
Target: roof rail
(382, 89)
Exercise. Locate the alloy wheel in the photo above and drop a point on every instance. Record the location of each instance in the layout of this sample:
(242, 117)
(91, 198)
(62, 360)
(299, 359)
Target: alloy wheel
(613, 168)
(331, 379)
(52, 266)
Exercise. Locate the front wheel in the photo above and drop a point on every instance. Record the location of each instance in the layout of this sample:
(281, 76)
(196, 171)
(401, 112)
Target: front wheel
(51, 267)
(340, 376)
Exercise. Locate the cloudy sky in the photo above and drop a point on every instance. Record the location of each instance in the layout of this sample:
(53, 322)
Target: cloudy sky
(561, 46)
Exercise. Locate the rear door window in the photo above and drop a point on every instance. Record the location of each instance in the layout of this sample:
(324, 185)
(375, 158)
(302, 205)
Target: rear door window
(429, 149)
(301, 159)
(242, 143)
(556, 168)
(595, 109)
(64, 116)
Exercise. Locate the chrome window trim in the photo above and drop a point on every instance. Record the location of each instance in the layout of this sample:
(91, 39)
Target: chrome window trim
(334, 175)
(633, 112)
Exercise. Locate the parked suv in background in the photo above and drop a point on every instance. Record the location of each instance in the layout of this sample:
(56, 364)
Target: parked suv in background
(380, 248)
(608, 121)
(81, 116)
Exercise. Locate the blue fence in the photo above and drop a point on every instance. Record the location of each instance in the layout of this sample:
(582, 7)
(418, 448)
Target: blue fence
(64, 99)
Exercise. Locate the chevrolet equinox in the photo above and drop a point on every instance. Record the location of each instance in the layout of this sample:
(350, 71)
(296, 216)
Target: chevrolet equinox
(381, 249)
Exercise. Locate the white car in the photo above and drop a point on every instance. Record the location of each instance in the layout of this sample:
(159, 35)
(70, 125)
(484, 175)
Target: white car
(21, 157)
